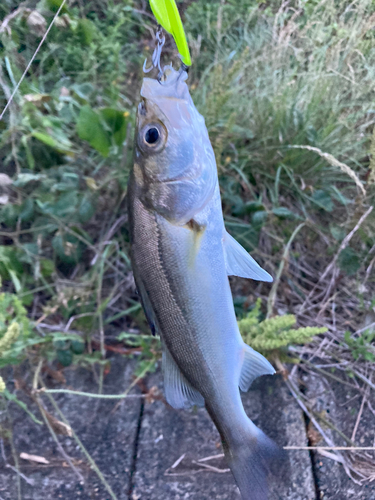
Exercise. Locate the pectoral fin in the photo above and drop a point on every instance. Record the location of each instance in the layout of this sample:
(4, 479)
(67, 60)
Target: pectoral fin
(147, 307)
(178, 391)
(240, 263)
(254, 365)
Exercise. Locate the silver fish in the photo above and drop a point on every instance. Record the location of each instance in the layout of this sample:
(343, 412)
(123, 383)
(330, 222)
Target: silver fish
(182, 256)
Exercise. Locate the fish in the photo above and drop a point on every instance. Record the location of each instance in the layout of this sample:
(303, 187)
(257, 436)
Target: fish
(182, 256)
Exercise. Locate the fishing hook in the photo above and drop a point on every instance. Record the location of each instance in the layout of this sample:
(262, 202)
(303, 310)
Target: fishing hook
(156, 56)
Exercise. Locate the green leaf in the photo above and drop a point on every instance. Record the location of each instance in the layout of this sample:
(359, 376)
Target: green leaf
(253, 206)
(368, 356)
(60, 343)
(86, 209)
(65, 205)
(27, 210)
(47, 267)
(54, 6)
(349, 261)
(86, 31)
(31, 251)
(10, 266)
(9, 214)
(259, 217)
(83, 90)
(90, 129)
(23, 179)
(77, 346)
(337, 195)
(20, 346)
(337, 232)
(27, 299)
(323, 200)
(284, 213)
(60, 143)
(245, 132)
(67, 248)
(116, 123)
(65, 357)
(348, 338)
(29, 155)
(15, 280)
(45, 138)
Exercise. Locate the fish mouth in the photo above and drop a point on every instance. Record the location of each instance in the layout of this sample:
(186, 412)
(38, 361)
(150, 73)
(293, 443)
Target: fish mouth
(173, 87)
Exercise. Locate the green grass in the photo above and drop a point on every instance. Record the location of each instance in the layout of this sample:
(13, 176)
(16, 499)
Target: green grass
(288, 98)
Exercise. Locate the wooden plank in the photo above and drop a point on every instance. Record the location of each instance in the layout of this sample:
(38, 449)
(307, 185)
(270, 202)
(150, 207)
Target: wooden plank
(168, 434)
(108, 436)
(340, 405)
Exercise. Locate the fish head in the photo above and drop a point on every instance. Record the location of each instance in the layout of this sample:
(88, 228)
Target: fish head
(171, 137)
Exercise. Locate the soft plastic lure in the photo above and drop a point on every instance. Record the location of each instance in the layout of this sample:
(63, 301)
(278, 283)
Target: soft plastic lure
(168, 17)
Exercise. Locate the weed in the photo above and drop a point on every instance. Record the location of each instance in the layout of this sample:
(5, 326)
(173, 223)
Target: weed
(361, 346)
(274, 335)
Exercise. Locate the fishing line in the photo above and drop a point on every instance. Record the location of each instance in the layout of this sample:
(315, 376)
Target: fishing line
(32, 60)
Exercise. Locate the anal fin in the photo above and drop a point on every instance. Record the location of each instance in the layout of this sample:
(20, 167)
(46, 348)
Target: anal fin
(179, 393)
(254, 365)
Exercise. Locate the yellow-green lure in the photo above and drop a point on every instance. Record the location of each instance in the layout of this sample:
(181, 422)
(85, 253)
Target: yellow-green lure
(168, 17)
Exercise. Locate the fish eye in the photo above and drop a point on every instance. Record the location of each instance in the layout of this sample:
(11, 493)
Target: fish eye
(152, 137)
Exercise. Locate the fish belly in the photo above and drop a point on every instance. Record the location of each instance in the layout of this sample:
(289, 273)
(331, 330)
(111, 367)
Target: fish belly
(182, 272)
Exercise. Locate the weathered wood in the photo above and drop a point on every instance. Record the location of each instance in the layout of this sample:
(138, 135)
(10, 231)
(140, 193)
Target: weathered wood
(109, 438)
(167, 434)
(340, 405)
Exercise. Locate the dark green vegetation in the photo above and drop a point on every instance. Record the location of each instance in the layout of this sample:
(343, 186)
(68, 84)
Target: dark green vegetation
(288, 96)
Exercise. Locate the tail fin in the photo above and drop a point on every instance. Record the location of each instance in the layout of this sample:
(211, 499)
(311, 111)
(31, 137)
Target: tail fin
(249, 460)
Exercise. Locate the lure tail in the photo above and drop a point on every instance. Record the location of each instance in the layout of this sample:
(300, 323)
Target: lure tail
(249, 459)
